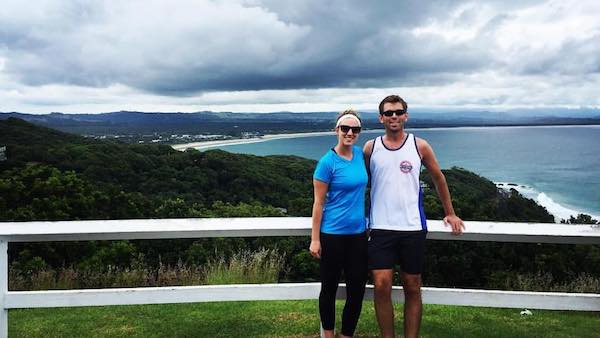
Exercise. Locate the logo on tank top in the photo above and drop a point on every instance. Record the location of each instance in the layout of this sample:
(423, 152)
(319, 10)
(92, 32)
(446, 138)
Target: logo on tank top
(406, 167)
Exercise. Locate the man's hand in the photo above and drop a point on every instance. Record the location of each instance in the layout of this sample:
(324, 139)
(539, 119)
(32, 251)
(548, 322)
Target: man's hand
(315, 249)
(456, 223)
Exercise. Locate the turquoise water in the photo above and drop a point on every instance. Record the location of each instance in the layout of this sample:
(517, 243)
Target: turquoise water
(559, 166)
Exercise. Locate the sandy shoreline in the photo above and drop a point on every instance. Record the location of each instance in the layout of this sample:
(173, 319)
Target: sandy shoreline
(218, 143)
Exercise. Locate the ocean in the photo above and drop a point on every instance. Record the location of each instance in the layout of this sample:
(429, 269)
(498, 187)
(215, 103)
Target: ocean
(557, 166)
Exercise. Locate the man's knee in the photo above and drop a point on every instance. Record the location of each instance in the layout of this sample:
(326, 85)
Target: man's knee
(382, 283)
(411, 284)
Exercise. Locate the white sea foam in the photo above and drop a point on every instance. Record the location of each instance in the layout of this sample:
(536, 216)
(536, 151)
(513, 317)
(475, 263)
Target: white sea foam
(557, 210)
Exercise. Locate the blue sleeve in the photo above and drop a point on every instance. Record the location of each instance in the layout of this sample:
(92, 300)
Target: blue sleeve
(324, 169)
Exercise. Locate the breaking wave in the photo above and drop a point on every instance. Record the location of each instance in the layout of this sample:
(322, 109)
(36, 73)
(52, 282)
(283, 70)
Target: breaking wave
(557, 210)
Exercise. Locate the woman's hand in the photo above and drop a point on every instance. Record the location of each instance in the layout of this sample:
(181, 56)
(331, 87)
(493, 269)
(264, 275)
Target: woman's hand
(315, 249)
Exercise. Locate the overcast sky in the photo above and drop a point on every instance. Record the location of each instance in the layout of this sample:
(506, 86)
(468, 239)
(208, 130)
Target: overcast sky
(99, 56)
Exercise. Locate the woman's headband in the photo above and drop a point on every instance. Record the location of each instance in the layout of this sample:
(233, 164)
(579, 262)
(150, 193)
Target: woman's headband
(345, 117)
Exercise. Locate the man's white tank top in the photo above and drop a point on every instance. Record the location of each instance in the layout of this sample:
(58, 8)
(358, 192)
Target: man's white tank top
(396, 195)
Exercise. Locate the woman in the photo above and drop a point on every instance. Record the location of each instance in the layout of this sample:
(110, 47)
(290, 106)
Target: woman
(338, 235)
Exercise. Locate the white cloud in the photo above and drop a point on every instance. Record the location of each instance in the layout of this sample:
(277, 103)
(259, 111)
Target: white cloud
(461, 25)
(557, 36)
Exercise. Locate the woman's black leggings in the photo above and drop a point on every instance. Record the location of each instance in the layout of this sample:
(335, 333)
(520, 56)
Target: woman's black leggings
(339, 253)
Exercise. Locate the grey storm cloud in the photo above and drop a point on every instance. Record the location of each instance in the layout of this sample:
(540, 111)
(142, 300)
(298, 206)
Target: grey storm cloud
(571, 57)
(184, 47)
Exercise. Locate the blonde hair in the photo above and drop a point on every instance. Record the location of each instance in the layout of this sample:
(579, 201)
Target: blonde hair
(347, 112)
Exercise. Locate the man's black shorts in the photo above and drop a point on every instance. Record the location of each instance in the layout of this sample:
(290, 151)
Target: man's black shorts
(388, 248)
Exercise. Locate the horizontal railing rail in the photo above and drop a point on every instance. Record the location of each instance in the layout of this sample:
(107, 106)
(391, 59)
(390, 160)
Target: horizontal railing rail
(292, 291)
(272, 226)
(277, 226)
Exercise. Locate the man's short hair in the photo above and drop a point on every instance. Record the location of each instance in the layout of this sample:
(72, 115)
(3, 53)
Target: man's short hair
(392, 99)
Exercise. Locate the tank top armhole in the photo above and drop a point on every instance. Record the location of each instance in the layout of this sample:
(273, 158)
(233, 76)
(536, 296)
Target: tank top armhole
(372, 147)
(417, 147)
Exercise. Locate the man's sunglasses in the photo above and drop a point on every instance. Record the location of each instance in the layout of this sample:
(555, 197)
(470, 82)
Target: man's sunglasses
(345, 129)
(389, 113)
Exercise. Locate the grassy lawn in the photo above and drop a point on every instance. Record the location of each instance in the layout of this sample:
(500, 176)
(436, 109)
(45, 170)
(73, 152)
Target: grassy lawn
(285, 319)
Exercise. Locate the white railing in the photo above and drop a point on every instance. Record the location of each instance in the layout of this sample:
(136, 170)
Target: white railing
(274, 226)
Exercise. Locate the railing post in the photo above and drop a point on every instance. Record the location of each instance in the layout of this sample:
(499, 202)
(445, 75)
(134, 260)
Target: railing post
(3, 287)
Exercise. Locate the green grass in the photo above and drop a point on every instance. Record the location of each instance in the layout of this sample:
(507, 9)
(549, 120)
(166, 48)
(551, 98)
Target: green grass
(285, 319)
(246, 267)
(254, 267)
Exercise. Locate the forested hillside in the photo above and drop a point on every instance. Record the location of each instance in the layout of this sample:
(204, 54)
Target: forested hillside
(51, 175)
(131, 181)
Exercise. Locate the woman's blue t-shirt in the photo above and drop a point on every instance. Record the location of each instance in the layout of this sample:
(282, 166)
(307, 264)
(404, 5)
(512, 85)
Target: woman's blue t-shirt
(344, 210)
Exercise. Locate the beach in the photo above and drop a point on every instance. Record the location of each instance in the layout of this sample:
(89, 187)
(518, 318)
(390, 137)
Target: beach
(230, 142)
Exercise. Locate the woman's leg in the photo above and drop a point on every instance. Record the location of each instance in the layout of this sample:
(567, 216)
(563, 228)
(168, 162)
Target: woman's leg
(331, 270)
(355, 271)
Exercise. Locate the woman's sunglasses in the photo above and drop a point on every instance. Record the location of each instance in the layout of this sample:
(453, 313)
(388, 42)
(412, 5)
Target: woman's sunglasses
(345, 129)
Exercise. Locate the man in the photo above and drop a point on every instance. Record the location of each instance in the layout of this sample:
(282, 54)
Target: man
(397, 220)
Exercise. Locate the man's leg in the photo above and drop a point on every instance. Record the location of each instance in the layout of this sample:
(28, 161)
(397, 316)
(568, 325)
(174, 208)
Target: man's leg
(413, 306)
(384, 309)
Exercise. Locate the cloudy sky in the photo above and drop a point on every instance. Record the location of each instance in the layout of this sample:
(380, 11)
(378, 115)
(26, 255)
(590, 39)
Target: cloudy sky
(263, 55)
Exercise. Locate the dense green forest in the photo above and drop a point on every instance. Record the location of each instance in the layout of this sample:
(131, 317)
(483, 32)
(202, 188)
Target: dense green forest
(51, 175)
